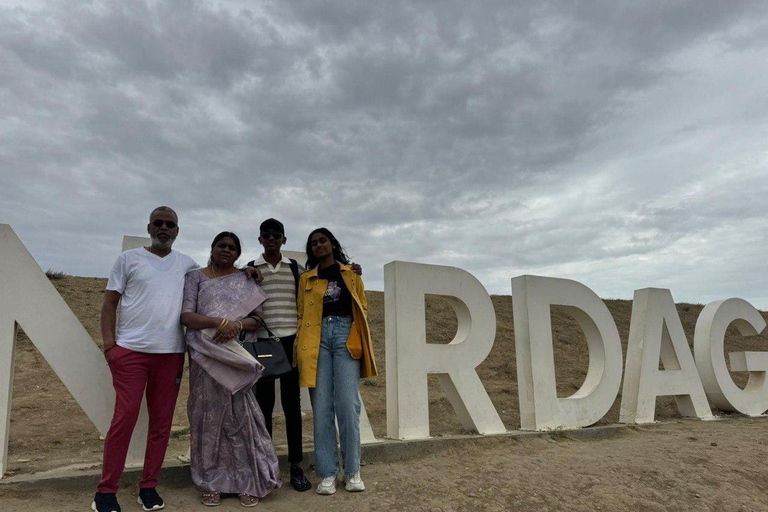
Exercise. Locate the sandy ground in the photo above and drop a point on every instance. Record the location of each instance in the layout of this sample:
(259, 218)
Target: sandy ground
(677, 465)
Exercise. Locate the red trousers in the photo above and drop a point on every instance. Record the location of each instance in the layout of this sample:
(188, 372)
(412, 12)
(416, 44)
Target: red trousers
(132, 373)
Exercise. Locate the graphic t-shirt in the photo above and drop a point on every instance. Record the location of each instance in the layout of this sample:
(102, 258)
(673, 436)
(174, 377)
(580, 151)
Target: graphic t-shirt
(337, 300)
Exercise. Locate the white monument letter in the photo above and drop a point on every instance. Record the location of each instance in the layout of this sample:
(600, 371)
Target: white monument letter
(656, 331)
(708, 346)
(28, 297)
(540, 408)
(410, 358)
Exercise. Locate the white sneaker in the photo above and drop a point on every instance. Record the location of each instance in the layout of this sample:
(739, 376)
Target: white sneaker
(354, 483)
(327, 485)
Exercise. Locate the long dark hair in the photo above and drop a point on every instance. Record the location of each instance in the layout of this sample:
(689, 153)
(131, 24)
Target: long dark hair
(225, 234)
(339, 254)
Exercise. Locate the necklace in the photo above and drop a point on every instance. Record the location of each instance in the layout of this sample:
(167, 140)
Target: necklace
(213, 271)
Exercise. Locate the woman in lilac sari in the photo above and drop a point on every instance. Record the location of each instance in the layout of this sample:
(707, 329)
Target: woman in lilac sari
(231, 450)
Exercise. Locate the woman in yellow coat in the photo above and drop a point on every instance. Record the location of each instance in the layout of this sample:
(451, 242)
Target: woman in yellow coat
(333, 351)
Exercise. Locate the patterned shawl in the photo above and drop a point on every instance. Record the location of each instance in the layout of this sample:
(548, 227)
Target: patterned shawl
(231, 297)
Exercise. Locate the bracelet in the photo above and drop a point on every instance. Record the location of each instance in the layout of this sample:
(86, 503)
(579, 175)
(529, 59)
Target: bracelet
(241, 325)
(224, 322)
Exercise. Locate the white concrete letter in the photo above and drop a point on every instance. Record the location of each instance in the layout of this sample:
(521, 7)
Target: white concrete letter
(28, 297)
(708, 346)
(540, 408)
(410, 358)
(655, 331)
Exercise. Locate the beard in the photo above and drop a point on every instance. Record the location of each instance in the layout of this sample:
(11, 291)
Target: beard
(160, 245)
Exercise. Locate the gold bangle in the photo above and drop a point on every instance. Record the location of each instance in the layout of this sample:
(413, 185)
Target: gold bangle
(241, 324)
(224, 322)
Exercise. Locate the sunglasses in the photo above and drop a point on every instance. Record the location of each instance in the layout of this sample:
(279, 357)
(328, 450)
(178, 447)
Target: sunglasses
(168, 223)
(266, 235)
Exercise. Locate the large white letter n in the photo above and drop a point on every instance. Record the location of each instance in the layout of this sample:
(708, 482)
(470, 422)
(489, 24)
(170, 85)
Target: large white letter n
(28, 297)
(410, 358)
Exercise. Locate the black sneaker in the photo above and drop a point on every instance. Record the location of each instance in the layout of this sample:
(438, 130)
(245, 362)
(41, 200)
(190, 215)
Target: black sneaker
(105, 502)
(150, 500)
(299, 482)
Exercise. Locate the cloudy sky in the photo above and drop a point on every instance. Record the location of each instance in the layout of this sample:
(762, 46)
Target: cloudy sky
(618, 143)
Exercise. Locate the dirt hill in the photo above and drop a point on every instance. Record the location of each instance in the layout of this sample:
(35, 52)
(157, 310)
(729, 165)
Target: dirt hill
(48, 428)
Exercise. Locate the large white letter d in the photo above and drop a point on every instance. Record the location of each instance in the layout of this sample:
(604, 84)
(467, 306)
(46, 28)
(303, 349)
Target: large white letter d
(540, 408)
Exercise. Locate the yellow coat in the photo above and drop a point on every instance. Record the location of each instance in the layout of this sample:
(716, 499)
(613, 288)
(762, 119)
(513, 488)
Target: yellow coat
(310, 309)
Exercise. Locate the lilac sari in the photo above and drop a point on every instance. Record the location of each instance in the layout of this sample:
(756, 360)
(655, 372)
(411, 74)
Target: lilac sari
(231, 449)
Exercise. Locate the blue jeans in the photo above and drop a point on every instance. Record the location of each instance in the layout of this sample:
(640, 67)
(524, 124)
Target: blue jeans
(336, 394)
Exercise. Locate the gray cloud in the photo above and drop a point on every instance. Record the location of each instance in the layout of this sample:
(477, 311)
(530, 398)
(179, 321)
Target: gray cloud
(617, 143)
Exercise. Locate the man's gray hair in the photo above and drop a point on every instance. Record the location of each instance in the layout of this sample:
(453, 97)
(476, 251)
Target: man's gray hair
(163, 209)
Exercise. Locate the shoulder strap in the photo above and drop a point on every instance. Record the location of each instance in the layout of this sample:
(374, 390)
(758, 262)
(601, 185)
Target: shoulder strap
(295, 270)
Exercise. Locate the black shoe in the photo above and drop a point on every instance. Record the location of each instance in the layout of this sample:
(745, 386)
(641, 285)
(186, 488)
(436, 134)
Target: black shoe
(299, 482)
(105, 502)
(150, 500)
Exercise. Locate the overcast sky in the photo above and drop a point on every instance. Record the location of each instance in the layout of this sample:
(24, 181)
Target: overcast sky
(621, 144)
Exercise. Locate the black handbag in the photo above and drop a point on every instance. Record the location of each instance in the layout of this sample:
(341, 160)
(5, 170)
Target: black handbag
(269, 353)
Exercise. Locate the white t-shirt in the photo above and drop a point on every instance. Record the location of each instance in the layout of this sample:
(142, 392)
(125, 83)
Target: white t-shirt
(152, 290)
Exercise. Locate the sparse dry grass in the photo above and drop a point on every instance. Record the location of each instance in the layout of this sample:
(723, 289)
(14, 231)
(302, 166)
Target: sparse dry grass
(54, 275)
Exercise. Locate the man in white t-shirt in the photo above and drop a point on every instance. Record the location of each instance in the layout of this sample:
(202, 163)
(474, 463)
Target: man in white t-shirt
(147, 352)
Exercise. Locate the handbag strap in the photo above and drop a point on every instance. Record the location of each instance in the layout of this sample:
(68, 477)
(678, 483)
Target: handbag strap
(261, 322)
